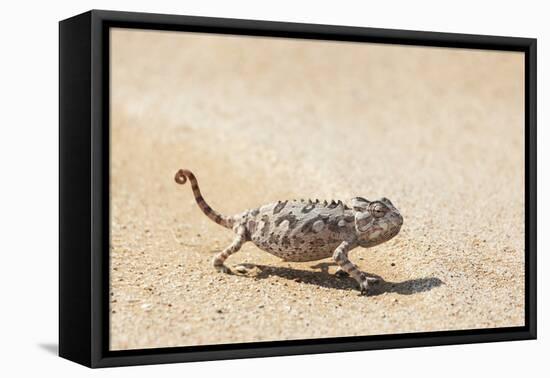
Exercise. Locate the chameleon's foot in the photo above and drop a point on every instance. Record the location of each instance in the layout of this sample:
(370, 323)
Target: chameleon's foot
(373, 280)
(364, 287)
(222, 269)
(340, 273)
(364, 282)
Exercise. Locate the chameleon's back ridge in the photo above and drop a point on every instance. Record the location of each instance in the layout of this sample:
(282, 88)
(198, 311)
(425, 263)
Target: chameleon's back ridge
(306, 230)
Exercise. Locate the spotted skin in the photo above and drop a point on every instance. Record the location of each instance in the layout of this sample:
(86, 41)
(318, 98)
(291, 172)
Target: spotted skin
(300, 230)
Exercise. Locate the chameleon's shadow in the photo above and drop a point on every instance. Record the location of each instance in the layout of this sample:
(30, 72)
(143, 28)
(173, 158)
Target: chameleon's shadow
(328, 280)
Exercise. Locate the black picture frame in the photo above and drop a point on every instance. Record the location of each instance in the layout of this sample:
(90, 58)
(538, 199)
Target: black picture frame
(84, 187)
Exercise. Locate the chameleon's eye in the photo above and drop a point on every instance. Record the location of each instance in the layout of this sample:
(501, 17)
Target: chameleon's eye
(379, 210)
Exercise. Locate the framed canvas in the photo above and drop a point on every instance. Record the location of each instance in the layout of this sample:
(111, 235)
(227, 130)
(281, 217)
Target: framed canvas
(235, 188)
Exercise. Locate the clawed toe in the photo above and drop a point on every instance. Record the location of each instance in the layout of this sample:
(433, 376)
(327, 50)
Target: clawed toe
(364, 288)
(373, 280)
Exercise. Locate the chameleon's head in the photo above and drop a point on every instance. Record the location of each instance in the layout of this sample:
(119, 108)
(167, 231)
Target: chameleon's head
(375, 221)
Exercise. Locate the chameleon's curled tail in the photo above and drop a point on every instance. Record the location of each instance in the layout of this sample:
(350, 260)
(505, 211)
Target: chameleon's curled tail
(181, 178)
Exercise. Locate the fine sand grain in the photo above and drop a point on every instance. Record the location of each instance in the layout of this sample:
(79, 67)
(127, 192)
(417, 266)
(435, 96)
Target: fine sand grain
(438, 131)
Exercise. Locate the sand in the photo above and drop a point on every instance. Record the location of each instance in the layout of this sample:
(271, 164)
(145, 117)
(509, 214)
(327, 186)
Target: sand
(438, 131)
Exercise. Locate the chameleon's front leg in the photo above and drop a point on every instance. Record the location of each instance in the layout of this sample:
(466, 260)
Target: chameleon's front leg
(237, 243)
(341, 257)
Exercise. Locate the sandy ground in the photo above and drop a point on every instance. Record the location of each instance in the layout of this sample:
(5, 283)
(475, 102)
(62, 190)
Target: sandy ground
(438, 131)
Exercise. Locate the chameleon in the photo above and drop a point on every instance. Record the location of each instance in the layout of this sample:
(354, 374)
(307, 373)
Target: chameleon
(306, 230)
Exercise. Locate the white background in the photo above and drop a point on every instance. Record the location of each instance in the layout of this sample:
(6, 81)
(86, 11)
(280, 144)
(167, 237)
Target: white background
(29, 186)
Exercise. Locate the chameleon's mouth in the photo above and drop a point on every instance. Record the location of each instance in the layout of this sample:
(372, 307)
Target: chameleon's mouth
(397, 220)
(375, 232)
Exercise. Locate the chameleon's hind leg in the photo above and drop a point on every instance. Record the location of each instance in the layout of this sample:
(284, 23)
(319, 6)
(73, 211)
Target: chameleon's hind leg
(235, 245)
(341, 257)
